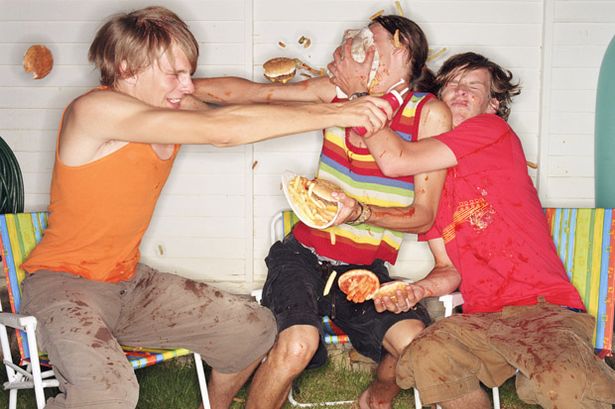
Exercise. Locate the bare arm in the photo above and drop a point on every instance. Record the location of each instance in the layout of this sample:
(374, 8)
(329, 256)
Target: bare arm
(397, 157)
(102, 116)
(234, 90)
(418, 217)
(443, 279)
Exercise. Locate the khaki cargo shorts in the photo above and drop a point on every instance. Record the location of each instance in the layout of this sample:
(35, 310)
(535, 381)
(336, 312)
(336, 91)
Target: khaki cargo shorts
(550, 345)
(81, 324)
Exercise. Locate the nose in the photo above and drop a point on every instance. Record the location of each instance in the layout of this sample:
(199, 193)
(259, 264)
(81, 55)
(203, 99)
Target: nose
(461, 89)
(186, 85)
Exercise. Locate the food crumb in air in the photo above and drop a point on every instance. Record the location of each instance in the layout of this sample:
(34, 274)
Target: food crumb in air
(305, 41)
(376, 14)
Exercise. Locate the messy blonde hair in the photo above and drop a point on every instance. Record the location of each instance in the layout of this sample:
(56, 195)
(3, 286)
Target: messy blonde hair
(139, 38)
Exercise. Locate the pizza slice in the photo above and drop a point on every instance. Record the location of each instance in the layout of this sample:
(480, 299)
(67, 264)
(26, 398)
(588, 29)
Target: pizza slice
(359, 285)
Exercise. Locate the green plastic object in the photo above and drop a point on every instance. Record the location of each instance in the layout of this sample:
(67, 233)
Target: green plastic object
(605, 131)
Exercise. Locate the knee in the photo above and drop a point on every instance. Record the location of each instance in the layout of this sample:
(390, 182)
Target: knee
(294, 351)
(123, 391)
(426, 352)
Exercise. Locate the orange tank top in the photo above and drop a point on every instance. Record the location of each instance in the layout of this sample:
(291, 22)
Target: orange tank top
(98, 213)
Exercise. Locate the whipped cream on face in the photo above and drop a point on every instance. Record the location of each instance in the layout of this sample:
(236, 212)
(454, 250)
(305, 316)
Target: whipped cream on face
(362, 39)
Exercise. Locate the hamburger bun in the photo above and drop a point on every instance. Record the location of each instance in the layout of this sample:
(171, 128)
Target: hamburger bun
(38, 60)
(280, 69)
(359, 285)
(323, 189)
(390, 290)
(312, 200)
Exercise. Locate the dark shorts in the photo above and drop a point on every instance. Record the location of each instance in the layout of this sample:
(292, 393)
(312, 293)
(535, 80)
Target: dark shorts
(294, 292)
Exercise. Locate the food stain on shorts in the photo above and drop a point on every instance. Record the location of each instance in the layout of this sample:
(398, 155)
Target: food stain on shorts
(103, 334)
(194, 287)
(81, 303)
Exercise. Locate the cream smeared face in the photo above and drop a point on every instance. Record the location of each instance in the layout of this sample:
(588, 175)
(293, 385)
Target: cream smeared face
(167, 81)
(468, 94)
(393, 61)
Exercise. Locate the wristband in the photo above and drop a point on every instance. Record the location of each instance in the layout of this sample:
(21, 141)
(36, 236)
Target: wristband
(364, 215)
(358, 95)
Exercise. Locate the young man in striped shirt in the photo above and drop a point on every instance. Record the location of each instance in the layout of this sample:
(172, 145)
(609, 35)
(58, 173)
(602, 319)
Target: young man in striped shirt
(376, 210)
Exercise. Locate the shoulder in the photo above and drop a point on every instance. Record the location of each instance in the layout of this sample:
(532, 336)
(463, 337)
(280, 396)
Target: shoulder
(102, 103)
(491, 122)
(434, 109)
(435, 118)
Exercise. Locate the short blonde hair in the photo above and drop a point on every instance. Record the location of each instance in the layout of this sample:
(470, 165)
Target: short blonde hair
(139, 38)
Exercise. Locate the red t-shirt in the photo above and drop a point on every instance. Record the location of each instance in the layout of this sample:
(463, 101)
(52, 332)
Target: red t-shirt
(492, 222)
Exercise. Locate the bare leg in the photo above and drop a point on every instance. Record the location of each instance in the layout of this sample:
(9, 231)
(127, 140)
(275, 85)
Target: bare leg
(287, 359)
(223, 387)
(381, 392)
(383, 389)
(477, 399)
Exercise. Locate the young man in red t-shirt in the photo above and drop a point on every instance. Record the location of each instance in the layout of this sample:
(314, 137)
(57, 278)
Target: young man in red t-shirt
(491, 241)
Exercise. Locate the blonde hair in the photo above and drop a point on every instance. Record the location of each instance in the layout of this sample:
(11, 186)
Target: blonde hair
(139, 38)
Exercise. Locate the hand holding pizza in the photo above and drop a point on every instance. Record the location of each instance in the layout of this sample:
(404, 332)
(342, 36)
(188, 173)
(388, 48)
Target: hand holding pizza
(398, 296)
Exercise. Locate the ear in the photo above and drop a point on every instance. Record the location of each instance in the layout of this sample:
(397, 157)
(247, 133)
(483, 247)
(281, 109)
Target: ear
(493, 107)
(130, 79)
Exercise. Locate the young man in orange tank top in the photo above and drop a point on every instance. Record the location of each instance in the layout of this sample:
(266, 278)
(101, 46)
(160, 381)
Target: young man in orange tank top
(116, 146)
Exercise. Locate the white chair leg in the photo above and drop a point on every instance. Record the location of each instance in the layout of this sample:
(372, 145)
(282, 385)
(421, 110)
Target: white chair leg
(200, 372)
(13, 398)
(417, 399)
(34, 366)
(293, 402)
(496, 398)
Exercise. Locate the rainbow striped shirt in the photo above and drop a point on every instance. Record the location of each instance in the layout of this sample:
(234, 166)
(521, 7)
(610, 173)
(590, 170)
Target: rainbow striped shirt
(355, 170)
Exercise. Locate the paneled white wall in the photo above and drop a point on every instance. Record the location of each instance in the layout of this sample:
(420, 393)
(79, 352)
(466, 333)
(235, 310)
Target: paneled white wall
(576, 36)
(212, 219)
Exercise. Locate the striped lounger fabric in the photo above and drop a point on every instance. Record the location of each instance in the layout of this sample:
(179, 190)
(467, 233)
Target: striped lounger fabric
(585, 239)
(19, 233)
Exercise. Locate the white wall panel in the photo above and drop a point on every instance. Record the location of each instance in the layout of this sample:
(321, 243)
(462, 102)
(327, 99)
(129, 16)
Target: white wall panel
(576, 36)
(213, 216)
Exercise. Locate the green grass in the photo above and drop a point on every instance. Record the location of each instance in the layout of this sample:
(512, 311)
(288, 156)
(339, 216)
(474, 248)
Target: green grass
(174, 385)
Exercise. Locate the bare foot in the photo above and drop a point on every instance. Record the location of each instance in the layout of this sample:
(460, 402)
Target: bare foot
(367, 400)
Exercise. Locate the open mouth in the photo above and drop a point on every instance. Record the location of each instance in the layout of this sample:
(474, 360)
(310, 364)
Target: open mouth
(174, 102)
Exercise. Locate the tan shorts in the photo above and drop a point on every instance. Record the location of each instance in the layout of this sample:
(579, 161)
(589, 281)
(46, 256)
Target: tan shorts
(550, 345)
(82, 322)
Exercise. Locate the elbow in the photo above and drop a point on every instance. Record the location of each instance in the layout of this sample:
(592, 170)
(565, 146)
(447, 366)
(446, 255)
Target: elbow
(428, 219)
(392, 170)
(222, 141)
(426, 227)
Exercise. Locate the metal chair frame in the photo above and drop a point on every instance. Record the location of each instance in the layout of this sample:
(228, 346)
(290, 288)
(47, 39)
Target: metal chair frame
(28, 372)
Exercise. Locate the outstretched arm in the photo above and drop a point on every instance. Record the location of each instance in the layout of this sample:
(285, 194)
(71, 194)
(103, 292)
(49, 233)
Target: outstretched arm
(234, 90)
(397, 157)
(419, 217)
(101, 116)
(443, 279)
